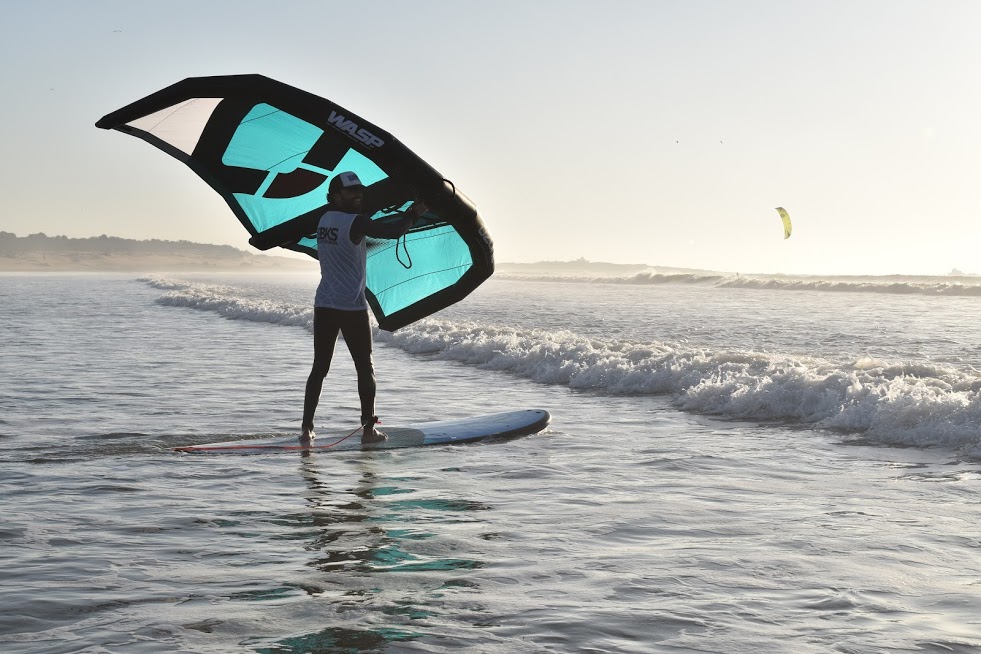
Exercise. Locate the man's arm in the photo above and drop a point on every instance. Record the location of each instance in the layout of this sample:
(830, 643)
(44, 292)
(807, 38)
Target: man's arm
(289, 232)
(390, 229)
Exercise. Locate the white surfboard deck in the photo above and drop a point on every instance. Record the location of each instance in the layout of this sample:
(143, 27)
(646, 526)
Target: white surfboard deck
(463, 430)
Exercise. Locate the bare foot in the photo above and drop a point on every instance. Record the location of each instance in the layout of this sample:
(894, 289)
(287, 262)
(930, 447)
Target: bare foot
(306, 438)
(372, 435)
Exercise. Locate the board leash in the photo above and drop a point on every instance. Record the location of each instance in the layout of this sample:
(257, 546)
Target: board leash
(194, 448)
(356, 430)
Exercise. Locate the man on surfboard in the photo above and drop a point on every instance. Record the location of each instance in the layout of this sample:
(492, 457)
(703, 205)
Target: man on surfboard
(340, 304)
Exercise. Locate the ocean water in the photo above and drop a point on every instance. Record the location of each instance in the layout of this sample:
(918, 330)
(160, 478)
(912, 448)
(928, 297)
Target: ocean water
(735, 464)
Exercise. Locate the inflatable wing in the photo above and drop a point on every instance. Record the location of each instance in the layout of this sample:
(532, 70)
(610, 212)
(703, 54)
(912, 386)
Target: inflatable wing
(785, 217)
(271, 149)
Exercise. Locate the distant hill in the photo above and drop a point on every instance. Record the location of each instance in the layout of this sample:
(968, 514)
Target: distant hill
(39, 252)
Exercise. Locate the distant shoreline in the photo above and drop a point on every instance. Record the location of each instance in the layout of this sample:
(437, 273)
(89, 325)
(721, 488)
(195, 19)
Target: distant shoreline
(87, 262)
(598, 268)
(42, 253)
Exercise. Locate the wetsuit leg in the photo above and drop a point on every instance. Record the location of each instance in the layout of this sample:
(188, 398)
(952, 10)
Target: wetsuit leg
(325, 328)
(357, 334)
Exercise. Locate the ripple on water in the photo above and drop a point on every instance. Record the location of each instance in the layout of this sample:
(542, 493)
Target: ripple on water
(627, 527)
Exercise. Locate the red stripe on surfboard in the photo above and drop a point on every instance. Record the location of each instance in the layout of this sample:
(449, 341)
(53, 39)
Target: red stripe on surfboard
(194, 448)
(223, 448)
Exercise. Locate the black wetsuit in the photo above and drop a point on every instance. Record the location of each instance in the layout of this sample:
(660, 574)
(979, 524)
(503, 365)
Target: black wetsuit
(353, 323)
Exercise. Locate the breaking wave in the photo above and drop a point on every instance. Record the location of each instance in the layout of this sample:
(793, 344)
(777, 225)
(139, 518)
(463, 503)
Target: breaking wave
(960, 286)
(915, 404)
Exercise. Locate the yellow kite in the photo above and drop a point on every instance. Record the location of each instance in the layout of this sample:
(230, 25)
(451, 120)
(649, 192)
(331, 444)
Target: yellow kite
(786, 221)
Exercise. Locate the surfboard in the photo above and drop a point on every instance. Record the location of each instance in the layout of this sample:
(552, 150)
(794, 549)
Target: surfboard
(441, 432)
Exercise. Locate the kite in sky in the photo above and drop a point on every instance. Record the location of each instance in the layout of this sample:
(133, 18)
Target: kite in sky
(785, 217)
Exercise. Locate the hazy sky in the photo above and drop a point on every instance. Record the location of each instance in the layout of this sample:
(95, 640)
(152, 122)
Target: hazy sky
(636, 132)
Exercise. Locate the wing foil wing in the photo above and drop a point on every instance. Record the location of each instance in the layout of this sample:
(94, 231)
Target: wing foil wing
(270, 150)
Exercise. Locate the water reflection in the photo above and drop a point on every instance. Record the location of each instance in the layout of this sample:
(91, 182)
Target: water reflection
(338, 639)
(386, 526)
(365, 542)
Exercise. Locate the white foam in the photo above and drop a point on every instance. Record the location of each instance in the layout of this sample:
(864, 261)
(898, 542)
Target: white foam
(893, 285)
(886, 402)
(901, 286)
(163, 283)
(224, 301)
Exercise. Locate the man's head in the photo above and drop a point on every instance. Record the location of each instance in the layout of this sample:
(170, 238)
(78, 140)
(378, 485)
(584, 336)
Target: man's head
(346, 191)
